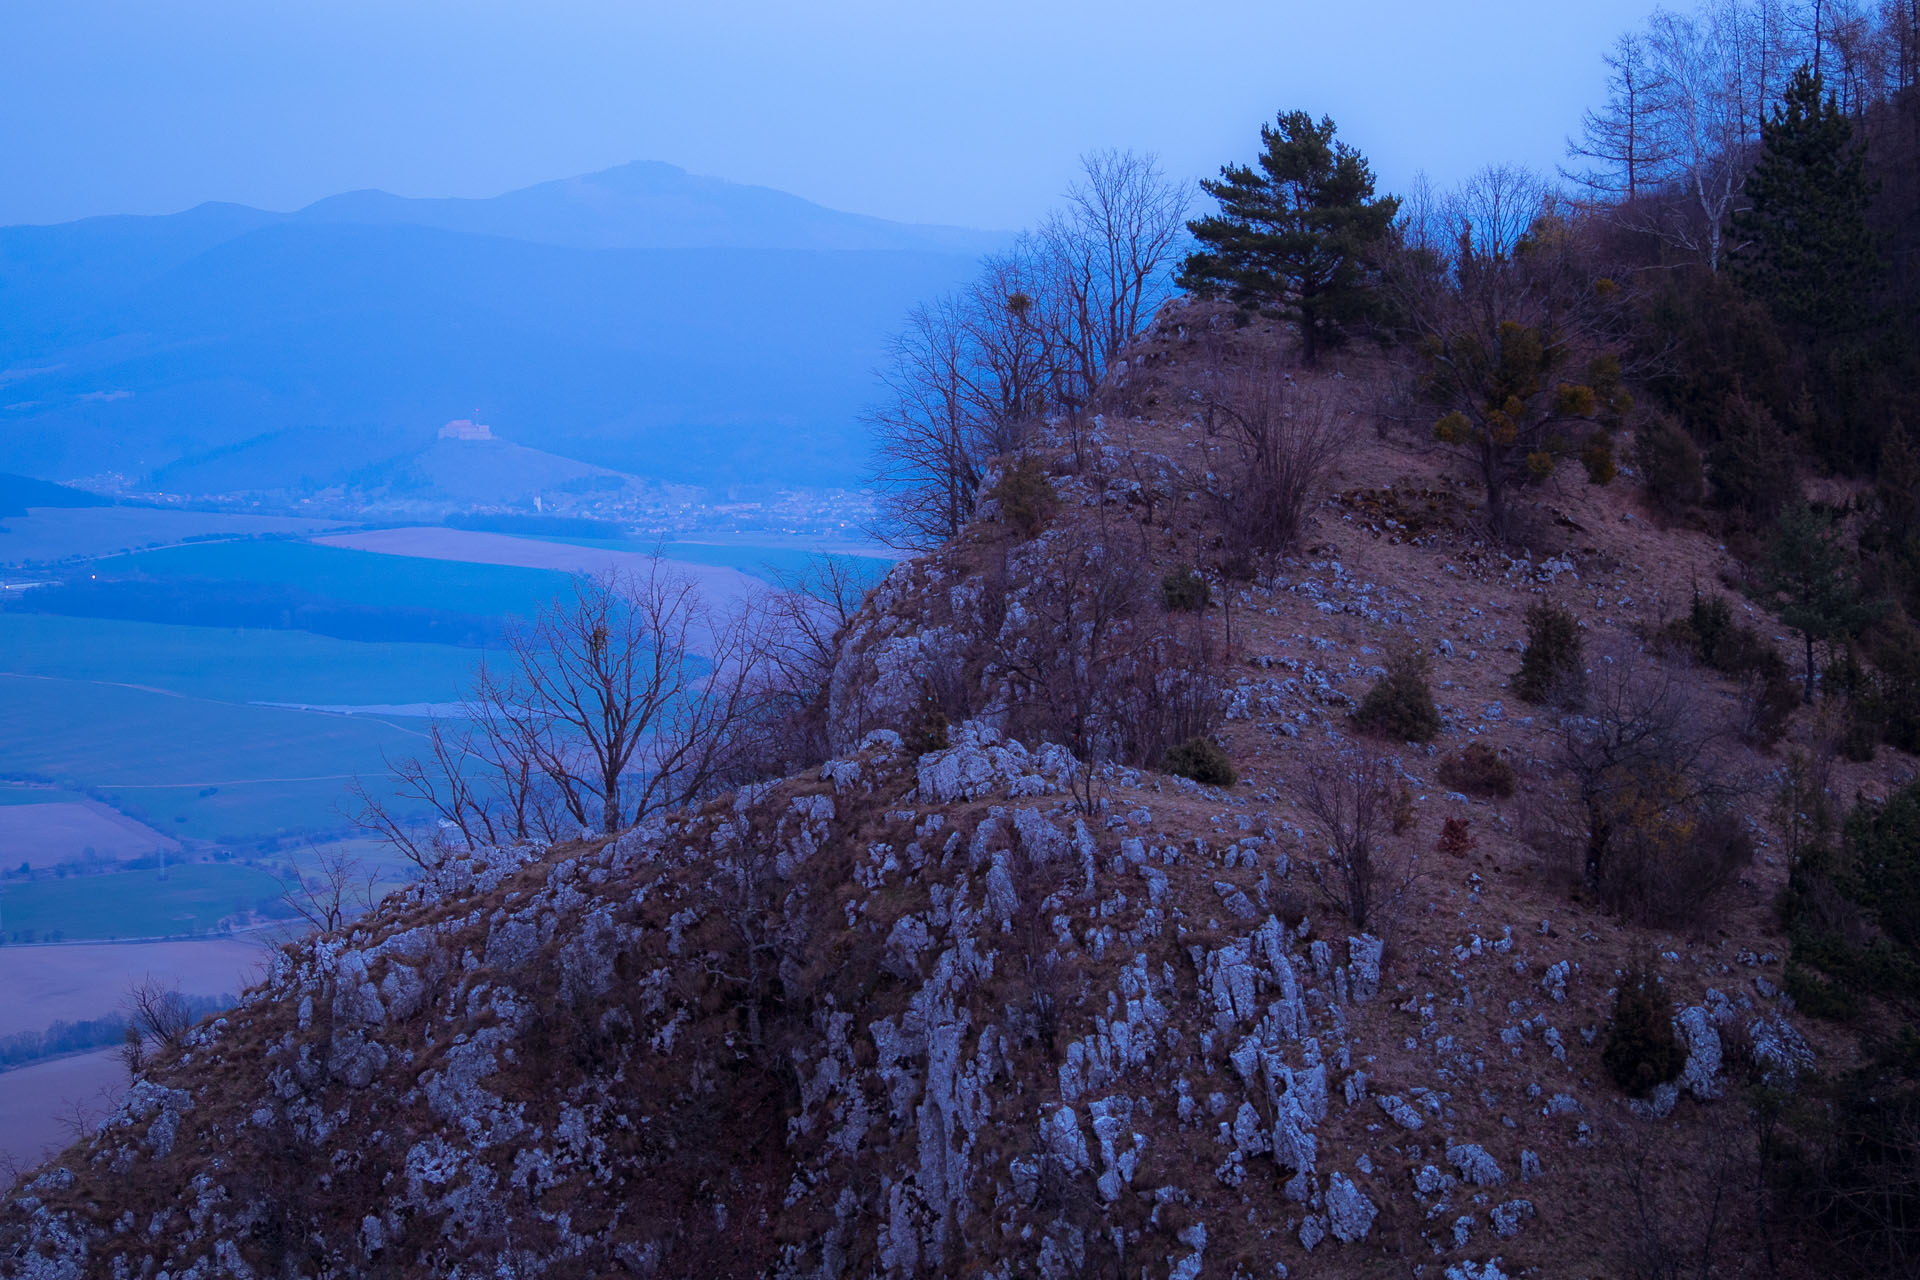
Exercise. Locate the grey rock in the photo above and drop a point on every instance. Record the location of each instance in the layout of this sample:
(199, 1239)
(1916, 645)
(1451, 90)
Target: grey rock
(1349, 1212)
(1702, 1040)
(1506, 1218)
(1474, 1164)
(1401, 1112)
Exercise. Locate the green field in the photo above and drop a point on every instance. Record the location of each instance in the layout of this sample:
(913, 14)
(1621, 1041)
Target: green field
(232, 665)
(759, 560)
(191, 767)
(191, 899)
(22, 793)
(366, 578)
(49, 535)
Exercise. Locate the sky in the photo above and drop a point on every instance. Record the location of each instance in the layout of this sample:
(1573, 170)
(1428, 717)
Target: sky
(967, 113)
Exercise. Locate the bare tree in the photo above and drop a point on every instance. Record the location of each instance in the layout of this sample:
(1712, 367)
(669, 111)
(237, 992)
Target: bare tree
(1356, 804)
(810, 610)
(606, 690)
(970, 374)
(157, 1014)
(334, 889)
(1627, 149)
(1281, 438)
(1649, 791)
(1110, 250)
(927, 460)
(629, 695)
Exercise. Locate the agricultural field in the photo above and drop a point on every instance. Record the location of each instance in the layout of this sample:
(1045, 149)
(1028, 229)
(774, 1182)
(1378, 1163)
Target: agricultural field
(61, 830)
(41, 1103)
(354, 576)
(232, 664)
(194, 768)
(192, 899)
(90, 980)
(469, 546)
(48, 535)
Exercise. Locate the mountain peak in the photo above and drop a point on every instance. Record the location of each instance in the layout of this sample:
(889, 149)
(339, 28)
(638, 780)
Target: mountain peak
(649, 204)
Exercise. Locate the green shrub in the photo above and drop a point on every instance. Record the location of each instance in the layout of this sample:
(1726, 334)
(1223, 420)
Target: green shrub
(1202, 760)
(930, 734)
(1400, 704)
(1863, 717)
(1641, 1051)
(1185, 591)
(1552, 670)
(1598, 458)
(1025, 496)
(1710, 635)
(1478, 770)
(1669, 464)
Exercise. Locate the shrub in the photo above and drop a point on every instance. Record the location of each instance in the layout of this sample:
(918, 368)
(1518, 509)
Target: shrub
(1456, 838)
(1400, 703)
(1185, 591)
(1670, 466)
(1641, 1051)
(1670, 861)
(1279, 439)
(1648, 793)
(1551, 669)
(1478, 770)
(1711, 635)
(1353, 804)
(1598, 458)
(1201, 759)
(1025, 496)
(930, 734)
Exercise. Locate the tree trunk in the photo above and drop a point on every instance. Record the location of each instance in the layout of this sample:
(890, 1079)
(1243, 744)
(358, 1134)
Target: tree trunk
(1806, 694)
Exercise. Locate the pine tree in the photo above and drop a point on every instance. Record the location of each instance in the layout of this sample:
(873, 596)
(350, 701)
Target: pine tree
(1810, 579)
(1807, 250)
(1297, 238)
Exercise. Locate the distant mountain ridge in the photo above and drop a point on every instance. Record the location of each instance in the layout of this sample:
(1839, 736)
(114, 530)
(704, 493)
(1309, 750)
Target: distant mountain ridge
(641, 319)
(650, 205)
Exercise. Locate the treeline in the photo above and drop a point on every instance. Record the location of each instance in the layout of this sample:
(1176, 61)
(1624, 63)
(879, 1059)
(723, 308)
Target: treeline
(63, 1037)
(264, 606)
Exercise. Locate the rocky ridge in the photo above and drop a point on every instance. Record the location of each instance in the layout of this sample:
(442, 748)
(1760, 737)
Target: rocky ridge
(966, 1010)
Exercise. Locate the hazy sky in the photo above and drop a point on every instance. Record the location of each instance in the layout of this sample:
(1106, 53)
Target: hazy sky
(968, 113)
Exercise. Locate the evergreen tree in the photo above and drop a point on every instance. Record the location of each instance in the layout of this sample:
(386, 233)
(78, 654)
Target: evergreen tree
(1808, 250)
(1296, 238)
(1810, 579)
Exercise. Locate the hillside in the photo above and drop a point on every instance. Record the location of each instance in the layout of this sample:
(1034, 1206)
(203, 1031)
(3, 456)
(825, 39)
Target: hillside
(600, 318)
(948, 1005)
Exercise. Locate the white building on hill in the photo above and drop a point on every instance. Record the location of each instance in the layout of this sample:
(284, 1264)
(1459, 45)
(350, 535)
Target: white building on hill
(466, 429)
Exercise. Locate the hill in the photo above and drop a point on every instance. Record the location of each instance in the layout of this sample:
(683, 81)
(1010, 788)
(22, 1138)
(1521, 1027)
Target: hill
(591, 318)
(952, 1003)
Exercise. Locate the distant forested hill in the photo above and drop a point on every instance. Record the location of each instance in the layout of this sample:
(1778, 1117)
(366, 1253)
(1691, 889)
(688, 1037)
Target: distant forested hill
(643, 320)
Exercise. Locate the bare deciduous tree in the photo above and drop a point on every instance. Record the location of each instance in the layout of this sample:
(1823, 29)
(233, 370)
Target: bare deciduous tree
(1357, 803)
(1281, 438)
(1108, 250)
(1648, 789)
(629, 695)
(1627, 149)
(970, 374)
(335, 887)
(809, 612)
(157, 1014)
